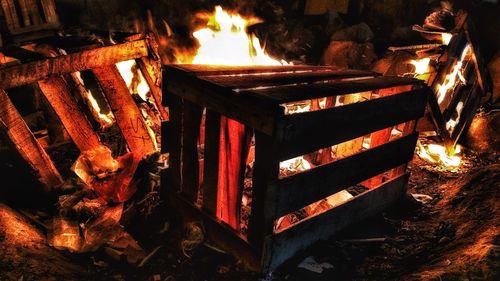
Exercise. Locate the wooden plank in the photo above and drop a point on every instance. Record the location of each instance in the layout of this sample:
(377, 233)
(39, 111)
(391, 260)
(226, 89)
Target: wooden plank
(153, 87)
(326, 180)
(204, 70)
(283, 78)
(233, 150)
(27, 73)
(174, 141)
(24, 11)
(49, 11)
(191, 120)
(303, 133)
(287, 243)
(254, 112)
(211, 161)
(468, 113)
(128, 117)
(58, 93)
(34, 12)
(286, 94)
(266, 171)
(26, 144)
(9, 10)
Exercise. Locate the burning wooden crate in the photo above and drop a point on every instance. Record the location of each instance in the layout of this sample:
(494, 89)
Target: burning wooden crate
(57, 69)
(274, 159)
(455, 71)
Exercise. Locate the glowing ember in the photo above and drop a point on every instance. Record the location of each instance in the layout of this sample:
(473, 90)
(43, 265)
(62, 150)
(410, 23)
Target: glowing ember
(446, 38)
(133, 78)
(224, 41)
(421, 65)
(438, 154)
(453, 77)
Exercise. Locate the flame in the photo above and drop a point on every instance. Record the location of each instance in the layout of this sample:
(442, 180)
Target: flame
(437, 154)
(133, 78)
(451, 78)
(294, 165)
(421, 65)
(453, 122)
(446, 38)
(105, 119)
(224, 41)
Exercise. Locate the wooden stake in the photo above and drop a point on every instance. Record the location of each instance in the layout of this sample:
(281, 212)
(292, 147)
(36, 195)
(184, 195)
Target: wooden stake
(27, 145)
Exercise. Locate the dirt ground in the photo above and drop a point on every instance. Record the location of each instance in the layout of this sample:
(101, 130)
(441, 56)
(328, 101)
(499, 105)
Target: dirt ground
(453, 235)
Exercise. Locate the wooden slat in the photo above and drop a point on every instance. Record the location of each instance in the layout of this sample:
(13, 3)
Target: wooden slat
(18, 75)
(233, 150)
(283, 78)
(468, 113)
(304, 132)
(153, 87)
(211, 161)
(254, 112)
(26, 144)
(285, 244)
(127, 114)
(49, 11)
(9, 10)
(57, 92)
(204, 70)
(266, 170)
(325, 180)
(285, 94)
(34, 12)
(191, 120)
(174, 141)
(24, 11)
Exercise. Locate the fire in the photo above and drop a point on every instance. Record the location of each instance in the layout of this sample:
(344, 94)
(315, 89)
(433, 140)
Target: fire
(105, 119)
(446, 38)
(435, 153)
(133, 78)
(453, 77)
(293, 166)
(224, 41)
(421, 65)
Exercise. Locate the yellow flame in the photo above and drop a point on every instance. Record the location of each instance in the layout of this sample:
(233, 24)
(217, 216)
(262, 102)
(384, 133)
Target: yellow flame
(453, 77)
(105, 119)
(437, 154)
(294, 165)
(133, 78)
(224, 41)
(446, 38)
(421, 65)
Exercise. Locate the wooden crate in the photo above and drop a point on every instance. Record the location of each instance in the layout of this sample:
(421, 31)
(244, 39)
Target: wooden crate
(224, 120)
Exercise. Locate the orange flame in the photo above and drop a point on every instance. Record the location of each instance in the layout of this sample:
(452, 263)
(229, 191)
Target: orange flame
(438, 154)
(104, 119)
(224, 41)
(421, 65)
(453, 77)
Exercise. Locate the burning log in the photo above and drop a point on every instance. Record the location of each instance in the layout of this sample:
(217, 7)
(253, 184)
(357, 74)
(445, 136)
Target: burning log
(26, 144)
(31, 72)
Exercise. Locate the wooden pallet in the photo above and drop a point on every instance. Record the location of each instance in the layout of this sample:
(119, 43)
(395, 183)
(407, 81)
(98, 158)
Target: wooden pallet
(53, 73)
(467, 96)
(223, 116)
